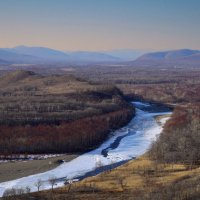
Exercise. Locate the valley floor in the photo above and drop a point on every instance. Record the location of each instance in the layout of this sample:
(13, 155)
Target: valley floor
(126, 143)
(19, 169)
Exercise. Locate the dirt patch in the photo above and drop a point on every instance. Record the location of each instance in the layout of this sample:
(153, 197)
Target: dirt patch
(14, 170)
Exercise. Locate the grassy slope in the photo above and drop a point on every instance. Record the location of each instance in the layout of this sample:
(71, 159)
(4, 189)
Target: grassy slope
(138, 179)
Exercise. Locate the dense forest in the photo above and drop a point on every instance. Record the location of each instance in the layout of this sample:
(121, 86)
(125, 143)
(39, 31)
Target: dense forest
(74, 136)
(158, 84)
(57, 113)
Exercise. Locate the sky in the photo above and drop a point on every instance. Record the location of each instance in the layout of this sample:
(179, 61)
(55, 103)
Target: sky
(100, 24)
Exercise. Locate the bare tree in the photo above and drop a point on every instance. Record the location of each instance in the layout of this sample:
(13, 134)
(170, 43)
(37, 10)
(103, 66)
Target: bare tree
(13, 192)
(52, 181)
(70, 182)
(9, 192)
(28, 189)
(38, 184)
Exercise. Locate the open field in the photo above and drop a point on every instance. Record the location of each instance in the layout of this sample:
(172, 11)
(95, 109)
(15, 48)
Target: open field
(19, 169)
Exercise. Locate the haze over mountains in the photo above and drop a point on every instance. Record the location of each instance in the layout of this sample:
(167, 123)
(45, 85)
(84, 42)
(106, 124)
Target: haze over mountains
(34, 55)
(127, 54)
(42, 55)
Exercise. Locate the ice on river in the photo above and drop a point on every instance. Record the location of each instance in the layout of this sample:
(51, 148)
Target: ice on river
(135, 139)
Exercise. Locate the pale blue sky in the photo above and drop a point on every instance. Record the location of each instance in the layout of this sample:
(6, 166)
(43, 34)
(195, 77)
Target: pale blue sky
(100, 24)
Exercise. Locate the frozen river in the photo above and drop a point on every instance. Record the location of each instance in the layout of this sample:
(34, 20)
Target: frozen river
(124, 144)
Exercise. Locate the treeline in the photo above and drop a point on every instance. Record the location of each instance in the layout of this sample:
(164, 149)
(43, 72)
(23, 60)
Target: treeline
(54, 108)
(165, 93)
(158, 84)
(180, 140)
(75, 136)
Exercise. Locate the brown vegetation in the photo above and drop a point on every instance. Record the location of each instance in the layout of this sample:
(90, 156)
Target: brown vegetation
(180, 140)
(171, 168)
(140, 179)
(75, 136)
(160, 84)
(48, 114)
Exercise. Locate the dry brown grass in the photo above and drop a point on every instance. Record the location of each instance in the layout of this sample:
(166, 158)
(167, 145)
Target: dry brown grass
(140, 179)
(138, 174)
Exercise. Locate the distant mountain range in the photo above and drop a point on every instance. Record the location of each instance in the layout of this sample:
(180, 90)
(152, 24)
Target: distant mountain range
(175, 57)
(42, 55)
(34, 55)
(87, 56)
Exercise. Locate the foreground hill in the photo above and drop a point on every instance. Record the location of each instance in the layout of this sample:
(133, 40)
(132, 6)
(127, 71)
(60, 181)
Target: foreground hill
(41, 114)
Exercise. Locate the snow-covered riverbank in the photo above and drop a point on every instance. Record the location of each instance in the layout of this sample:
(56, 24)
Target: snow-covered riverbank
(124, 144)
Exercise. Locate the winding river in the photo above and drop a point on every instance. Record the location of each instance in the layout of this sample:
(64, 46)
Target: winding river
(122, 145)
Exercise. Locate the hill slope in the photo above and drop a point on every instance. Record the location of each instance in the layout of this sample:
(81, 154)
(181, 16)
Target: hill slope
(11, 57)
(44, 111)
(41, 52)
(176, 57)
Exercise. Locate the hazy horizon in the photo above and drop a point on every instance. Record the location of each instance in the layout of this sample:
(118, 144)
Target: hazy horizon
(100, 25)
(100, 50)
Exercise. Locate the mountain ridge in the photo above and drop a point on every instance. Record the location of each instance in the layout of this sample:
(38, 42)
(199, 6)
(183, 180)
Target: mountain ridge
(43, 55)
(178, 57)
(34, 55)
(173, 54)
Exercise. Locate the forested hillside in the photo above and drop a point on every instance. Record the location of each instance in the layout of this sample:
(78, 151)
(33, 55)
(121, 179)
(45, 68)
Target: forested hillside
(48, 114)
(180, 141)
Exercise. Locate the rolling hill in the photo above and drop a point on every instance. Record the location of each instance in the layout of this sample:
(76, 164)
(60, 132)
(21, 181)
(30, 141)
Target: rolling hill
(54, 106)
(41, 52)
(168, 55)
(42, 55)
(175, 57)
(8, 56)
